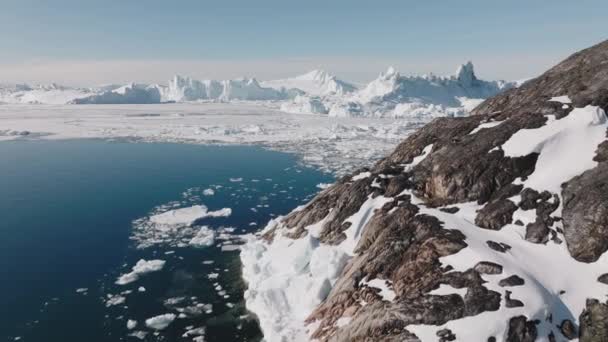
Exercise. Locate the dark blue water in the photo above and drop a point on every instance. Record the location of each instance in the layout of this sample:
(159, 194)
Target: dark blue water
(66, 214)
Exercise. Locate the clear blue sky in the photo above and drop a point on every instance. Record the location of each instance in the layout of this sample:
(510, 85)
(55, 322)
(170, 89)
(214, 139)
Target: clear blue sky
(355, 39)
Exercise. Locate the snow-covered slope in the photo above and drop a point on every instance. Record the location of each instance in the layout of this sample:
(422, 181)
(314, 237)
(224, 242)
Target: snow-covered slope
(314, 83)
(490, 227)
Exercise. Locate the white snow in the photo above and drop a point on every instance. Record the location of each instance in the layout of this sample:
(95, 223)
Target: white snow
(141, 267)
(160, 322)
(566, 147)
(204, 238)
(289, 278)
(488, 124)
(383, 285)
(552, 271)
(361, 175)
(445, 289)
(561, 99)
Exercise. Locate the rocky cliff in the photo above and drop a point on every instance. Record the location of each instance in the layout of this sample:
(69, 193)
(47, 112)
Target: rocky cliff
(492, 227)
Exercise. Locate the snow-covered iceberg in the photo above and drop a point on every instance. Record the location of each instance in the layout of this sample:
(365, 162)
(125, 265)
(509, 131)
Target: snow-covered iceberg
(315, 83)
(128, 94)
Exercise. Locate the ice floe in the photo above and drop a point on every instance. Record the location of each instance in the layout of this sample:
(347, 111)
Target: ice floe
(160, 322)
(141, 267)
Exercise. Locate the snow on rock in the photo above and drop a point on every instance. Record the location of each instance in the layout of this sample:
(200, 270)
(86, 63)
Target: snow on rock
(160, 322)
(561, 99)
(573, 138)
(288, 278)
(141, 267)
(383, 285)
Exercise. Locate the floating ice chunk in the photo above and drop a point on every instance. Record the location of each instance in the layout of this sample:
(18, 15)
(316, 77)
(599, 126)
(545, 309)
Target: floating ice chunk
(160, 322)
(139, 334)
(141, 267)
(131, 324)
(204, 238)
(82, 290)
(236, 180)
(187, 216)
(114, 300)
(141, 289)
(209, 192)
(323, 186)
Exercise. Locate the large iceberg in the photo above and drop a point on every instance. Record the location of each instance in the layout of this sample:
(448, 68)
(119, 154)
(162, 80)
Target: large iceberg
(315, 83)
(128, 94)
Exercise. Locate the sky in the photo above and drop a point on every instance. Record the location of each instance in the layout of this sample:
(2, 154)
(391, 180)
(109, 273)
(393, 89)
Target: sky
(90, 42)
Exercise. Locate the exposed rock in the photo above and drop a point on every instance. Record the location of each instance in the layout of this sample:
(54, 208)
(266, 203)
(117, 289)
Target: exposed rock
(403, 242)
(568, 329)
(450, 210)
(511, 302)
(537, 232)
(446, 335)
(603, 278)
(486, 267)
(529, 197)
(495, 215)
(585, 214)
(583, 77)
(499, 247)
(521, 330)
(594, 322)
(513, 280)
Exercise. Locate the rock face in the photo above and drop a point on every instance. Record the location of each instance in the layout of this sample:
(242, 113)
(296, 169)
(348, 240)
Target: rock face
(594, 322)
(440, 240)
(586, 214)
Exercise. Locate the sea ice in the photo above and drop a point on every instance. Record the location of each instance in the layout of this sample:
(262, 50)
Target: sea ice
(160, 322)
(141, 267)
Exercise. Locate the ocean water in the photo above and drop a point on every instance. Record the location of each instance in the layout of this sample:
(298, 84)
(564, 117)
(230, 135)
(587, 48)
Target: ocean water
(68, 210)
